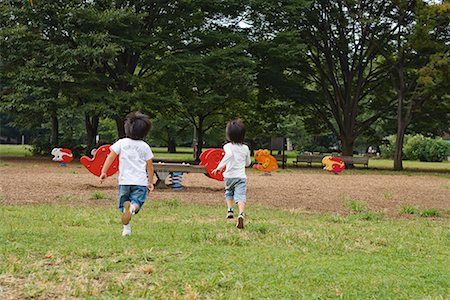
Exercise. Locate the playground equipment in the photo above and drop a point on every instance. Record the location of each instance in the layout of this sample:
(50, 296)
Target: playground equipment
(176, 179)
(333, 164)
(209, 160)
(266, 162)
(95, 164)
(62, 155)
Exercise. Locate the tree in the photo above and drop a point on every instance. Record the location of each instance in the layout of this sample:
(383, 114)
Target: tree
(210, 87)
(420, 65)
(344, 43)
(34, 65)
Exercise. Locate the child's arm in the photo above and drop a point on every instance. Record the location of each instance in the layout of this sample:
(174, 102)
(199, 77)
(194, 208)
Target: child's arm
(109, 160)
(150, 173)
(228, 155)
(248, 160)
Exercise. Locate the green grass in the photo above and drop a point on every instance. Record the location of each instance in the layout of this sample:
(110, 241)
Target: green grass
(188, 251)
(409, 209)
(98, 196)
(431, 212)
(426, 213)
(15, 150)
(355, 205)
(409, 164)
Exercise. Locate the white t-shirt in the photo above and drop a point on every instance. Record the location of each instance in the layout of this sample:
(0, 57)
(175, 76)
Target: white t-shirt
(133, 156)
(236, 158)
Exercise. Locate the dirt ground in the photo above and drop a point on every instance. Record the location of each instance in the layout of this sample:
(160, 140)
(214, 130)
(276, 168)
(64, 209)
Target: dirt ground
(36, 181)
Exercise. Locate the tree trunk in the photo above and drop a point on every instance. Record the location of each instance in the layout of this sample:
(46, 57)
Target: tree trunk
(347, 146)
(55, 130)
(199, 141)
(171, 145)
(91, 130)
(120, 127)
(401, 122)
(347, 149)
(398, 155)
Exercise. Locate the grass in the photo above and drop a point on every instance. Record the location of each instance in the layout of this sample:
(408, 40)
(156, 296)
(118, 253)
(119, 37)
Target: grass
(355, 205)
(189, 251)
(409, 164)
(388, 196)
(431, 212)
(426, 213)
(409, 209)
(15, 150)
(98, 196)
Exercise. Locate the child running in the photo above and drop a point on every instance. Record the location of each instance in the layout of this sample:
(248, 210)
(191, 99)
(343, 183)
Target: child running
(236, 158)
(135, 167)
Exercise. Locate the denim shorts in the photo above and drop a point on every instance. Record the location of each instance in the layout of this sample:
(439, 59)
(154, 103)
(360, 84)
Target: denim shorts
(136, 194)
(236, 189)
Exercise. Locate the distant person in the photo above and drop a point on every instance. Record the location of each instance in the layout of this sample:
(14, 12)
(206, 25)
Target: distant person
(135, 167)
(236, 158)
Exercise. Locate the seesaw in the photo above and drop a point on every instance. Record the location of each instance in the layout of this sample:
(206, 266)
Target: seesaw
(209, 160)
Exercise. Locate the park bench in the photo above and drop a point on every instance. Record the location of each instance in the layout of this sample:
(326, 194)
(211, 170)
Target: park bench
(363, 160)
(163, 170)
(279, 157)
(308, 159)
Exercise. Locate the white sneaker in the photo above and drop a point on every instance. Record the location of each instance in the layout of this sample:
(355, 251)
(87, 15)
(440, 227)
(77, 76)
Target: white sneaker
(126, 230)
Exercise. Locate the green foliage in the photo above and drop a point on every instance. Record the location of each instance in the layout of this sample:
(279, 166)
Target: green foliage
(418, 147)
(427, 149)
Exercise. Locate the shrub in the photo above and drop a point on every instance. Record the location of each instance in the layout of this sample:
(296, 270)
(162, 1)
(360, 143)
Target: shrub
(387, 149)
(426, 149)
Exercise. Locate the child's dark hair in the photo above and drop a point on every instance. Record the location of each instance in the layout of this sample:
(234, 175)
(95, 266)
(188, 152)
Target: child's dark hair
(235, 131)
(137, 125)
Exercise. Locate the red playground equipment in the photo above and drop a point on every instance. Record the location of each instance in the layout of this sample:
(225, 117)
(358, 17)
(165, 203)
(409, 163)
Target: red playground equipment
(95, 164)
(333, 164)
(210, 159)
(62, 155)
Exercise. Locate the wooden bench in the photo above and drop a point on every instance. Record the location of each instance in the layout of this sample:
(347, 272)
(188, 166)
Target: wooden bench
(363, 160)
(308, 159)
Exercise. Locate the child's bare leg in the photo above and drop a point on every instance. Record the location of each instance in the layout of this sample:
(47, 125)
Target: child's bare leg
(240, 221)
(241, 206)
(230, 204)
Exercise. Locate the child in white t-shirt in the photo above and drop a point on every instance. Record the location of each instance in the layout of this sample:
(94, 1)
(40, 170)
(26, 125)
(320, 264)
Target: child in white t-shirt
(236, 158)
(135, 167)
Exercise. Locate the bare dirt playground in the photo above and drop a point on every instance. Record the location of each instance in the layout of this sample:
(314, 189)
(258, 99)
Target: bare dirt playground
(38, 181)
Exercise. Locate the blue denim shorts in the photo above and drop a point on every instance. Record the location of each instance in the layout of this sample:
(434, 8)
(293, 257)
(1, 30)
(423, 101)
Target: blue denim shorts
(236, 189)
(136, 194)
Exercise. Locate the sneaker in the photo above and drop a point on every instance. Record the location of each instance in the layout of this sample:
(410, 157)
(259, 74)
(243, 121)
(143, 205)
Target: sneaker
(126, 216)
(230, 214)
(126, 230)
(240, 221)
